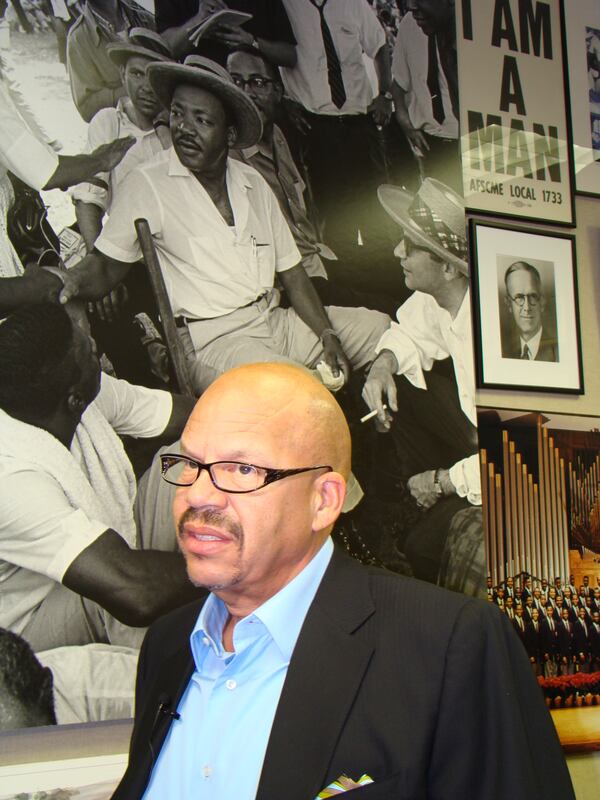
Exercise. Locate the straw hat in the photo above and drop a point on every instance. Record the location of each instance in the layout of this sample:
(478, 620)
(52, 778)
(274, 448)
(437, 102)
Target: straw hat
(207, 74)
(140, 42)
(433, 218)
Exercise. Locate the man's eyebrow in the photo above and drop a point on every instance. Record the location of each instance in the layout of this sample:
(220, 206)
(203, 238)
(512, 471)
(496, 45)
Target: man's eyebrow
(234, 455)
(179, 105)
(251, 75)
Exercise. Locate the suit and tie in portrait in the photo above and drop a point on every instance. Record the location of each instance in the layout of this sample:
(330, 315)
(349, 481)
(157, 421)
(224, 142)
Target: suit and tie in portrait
(527, 335)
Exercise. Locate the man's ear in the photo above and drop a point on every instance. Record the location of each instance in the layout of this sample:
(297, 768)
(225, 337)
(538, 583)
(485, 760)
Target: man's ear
(330, 491)
(75, 401)
(122, 68)
(450, 271)
(231, 136)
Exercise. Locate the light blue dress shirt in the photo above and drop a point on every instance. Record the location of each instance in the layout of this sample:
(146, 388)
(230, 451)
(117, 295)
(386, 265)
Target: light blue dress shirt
(215, 751)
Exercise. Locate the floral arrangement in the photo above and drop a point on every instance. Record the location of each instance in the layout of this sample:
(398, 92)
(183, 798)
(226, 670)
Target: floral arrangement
(572, 690)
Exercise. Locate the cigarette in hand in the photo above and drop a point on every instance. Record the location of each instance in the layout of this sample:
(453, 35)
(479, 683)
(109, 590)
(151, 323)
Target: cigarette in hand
(371, 414)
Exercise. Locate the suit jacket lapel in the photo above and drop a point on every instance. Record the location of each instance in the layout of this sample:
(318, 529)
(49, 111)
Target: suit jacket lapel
(324, 675)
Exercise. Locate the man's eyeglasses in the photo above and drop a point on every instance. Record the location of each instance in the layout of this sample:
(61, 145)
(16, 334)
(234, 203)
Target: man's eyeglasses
(234, 477)
(255, 82)
(533, 299)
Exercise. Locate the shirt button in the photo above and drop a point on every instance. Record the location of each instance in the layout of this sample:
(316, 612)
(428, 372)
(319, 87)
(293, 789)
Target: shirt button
(205, 640)
(231, 684)
(206, 771)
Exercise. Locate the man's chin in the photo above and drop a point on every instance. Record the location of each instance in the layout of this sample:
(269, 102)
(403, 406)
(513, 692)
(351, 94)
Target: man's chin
(529, 332)
(192, 160)
(210, 580)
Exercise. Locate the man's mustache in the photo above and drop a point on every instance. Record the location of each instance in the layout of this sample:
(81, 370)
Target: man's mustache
(213, 518)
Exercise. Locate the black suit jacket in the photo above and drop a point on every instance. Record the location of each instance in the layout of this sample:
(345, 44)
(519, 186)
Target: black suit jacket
(548, 638)
(581, 637)
(533, 640)
(547, 351)
(427, 691)
(594, 641)
(565, 640)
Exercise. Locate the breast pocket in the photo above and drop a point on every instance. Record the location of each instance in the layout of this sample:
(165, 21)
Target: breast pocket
(392, 788)
(347, 43)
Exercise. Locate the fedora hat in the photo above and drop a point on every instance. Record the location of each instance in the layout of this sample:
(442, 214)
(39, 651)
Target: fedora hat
(206, 74)
(140, 42)
(433, 218)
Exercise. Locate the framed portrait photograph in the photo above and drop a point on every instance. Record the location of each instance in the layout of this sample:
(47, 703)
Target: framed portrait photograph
(525, 309)
(582, 21)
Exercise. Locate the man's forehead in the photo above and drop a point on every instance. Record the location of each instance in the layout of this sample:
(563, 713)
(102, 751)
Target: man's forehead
(232, 421)
(195, 97)
(138, 62)
(523, 278)
(247, 62)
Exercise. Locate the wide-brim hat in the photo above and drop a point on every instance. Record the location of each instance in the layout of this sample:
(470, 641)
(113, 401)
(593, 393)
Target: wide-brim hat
(119, 54)
(140, 42)
(433, 218)
(207, 74)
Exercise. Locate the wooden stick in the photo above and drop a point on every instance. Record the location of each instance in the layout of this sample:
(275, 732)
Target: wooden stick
(157, 282)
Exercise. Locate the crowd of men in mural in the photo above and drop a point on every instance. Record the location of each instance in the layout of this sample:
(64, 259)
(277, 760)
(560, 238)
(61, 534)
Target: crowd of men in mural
(558, 624)
(297, 164)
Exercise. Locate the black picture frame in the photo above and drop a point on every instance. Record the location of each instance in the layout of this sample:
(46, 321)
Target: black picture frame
(502, 326)
(582, 38)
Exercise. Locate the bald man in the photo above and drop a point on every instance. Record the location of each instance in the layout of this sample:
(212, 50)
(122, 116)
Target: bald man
(303, 666)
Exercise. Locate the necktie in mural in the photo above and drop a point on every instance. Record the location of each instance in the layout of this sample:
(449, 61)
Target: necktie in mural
(334, 68)
(433, 80)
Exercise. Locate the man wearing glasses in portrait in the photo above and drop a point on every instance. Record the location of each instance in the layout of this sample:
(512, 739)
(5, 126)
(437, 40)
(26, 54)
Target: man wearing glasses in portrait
(527, 338)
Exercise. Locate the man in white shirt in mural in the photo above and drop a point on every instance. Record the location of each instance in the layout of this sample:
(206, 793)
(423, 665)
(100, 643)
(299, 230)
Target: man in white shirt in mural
(432, 418)
(343, 116)
(134, 116)
(221, 257)
(425, 87)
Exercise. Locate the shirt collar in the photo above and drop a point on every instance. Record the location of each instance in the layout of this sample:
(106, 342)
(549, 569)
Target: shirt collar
(282, 615)
(533, 344)
(463, 315)
(176, 167)
(248, 152)
(235, 176)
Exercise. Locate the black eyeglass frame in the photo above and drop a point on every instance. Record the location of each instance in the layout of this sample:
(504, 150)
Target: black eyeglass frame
(527, 297)
(241, 83)
(271, 475)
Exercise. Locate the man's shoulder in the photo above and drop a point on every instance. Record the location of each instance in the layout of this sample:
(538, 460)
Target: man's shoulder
(408, 28)
(417, 597)
(105, 118)
(510, 343)
(398, 599)
(244, 171)
(152, 169)
(422, 303)
(131, 409)
(80, 28)
(548, 349)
